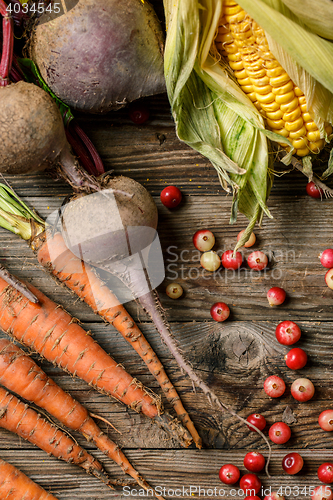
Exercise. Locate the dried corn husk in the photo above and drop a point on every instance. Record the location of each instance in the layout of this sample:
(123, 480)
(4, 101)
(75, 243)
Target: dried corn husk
(211, 112)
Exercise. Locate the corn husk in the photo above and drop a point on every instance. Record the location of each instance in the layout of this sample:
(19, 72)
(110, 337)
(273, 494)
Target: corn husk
(214, 116)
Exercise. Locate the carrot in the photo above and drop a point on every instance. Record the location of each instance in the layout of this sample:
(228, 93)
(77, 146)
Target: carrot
(53, 254)
(15, 485)
(19, 373)
(17, 417)
(49, 330)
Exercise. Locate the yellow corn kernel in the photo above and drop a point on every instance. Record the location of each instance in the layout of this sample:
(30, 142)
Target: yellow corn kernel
(311, 126)
(270, 107)
(292, 115)
(300, 143)
(286, 98)
(316, 147)
(298, 92)
(298, 133)
(307, 117)
(275, 115)
(282, 79)
(295, 125)
(283, 132)
(284, 89)
(275, 124)
(288, 106)
(267, 98)
(302, 151)
(313, 135)
(248, 89)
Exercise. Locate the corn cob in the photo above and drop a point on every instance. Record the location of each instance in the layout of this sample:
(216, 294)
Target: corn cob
(282, 104)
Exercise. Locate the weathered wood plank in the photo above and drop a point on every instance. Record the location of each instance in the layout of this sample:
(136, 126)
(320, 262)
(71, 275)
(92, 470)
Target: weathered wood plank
(168, 471)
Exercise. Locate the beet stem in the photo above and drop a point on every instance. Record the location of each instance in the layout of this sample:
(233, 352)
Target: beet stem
(7, 45)
(90, 147)
(79, 150)
(74, 174)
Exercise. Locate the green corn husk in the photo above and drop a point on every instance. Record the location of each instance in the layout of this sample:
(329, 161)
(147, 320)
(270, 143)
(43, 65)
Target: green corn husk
(211, 112)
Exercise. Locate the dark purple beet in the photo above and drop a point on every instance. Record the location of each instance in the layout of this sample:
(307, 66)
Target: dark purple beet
(101, 54)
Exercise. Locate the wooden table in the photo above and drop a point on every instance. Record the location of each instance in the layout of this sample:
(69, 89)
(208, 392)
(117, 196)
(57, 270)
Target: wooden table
(233, 358)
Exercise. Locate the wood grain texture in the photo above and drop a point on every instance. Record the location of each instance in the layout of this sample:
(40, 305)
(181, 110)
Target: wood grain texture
(233, 358)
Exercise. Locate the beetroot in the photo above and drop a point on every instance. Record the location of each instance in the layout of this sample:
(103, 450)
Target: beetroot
(31, 128)
(101, 54)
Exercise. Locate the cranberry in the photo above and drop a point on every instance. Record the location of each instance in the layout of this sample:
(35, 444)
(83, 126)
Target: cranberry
(325, 420)
(230, 262)
(279, 433)
(292, 463)
(325, 473)
(276, 296)
(250, 242)
(171, 197)
(274, 386)
(326, 258)
(313, 190)
(296, 358)
(322, 493)
(257, 260)
(203, 240)
(210, 261)
(138, 113)
(287, 333)
(229, 474)
(302, 389)
(174, 290)
(257, 420)
(250, 483)
(329, 279)
(252, 497)
(220, 311)
(254, 461)
(274, 496)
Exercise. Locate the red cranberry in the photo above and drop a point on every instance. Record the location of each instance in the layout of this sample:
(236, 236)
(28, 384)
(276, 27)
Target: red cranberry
(257, 260)
(287, 333)
(257, 420)
(219, 311)
(279, 433)
(296, 358)
(250, 242)
(302, 389)
(326, 258)
(276, 296)
(274, 496)
(325, 420)
(252, 497)
(229, 474)
(329, 278)
(274, 386)
(313, 190)
(292, 463)
(203, 240)
(254, 461)
(250, 483)
(325, 473)
(230, 262)
(138, 113)
(171, 197)
(322, 493)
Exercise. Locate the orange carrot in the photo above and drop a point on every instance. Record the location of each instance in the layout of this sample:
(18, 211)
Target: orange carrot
(15, 485)
(54, 255)
(19, 373)
(17, 417)
(49, 330)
